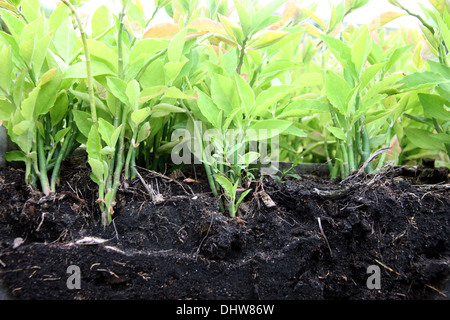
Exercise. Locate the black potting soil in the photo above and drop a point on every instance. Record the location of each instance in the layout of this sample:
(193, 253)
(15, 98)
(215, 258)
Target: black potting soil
(383, 236)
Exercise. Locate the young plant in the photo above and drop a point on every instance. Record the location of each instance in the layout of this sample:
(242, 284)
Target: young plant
(36, 104)
(432, 86)
(231, 193)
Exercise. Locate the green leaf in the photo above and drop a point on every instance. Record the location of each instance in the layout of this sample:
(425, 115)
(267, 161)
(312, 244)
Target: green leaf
(7, 65)
(434, 106)
(83, 121)
(422, 79)
(94, 144)
(268, 38)
(265, 129)
(144, 132)
(6, 110)
(232, 29)
(31, 9)
(361, 49)
(150, 93)
(64, 40)
(23, 127)
(61, 134)
(369, 74)
(59, 109)
(167, 108)
(264, 13)
(246, 94)
(269, 97)
(342, 52)
(173, 69)
(101, 20)
(146, 48)
(244, 18)
(337, 91)
(29, 104)
(243, 195)
(208, 108)
(337, 132)
(78, 70)
(118, 88)
(396, 55)
(224, 93)
(84, 96)
(15, 25)
(176, 46)
(295, 131)
(133, 92)
(115, 135)
(176, 93)
(299, 108)
(46, 97)
(15, 155)
(58, 16)
(106, 130)
(98, 168)
(138, 116)
(423, 139)
(226, 185)
(102, 53)
(309, 80)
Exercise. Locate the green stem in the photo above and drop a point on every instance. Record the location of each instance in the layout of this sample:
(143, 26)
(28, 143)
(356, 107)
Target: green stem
(346, 171)
(130, 153)
(384, 154)
(88, 61)
(327, 155)
(241, 56)
(152, 59)
(366, 149)
(45, 185)
(61, 154)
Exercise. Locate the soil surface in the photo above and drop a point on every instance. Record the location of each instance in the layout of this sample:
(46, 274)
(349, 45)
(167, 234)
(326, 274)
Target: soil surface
(308, 238)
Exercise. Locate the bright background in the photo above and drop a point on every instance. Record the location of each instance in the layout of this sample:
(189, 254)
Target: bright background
(361, 16)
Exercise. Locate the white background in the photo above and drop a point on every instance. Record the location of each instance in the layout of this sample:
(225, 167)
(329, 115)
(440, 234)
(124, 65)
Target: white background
(361, 16)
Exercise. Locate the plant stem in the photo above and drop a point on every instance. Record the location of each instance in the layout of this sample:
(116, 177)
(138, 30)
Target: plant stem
(88, 60)
(346, 171)
(383, 155)
(61, 155)
(45, 185)
(241, 56)
(130, 154)
(366, 149)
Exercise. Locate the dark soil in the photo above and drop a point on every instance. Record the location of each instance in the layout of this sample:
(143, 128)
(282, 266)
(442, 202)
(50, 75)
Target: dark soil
(316, 242)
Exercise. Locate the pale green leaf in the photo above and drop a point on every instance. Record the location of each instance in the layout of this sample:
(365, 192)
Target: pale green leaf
(101, 20)
(246, 94)
(176, 46)
(337, 91)
(83, 120)
(208, 108)
(6, 110)
(133, 93)
(138, 116)
(423, 139)
(337, 132)
(106, 130)
(94, 145)
(15, 155)
(434, 106)
(150, 93)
